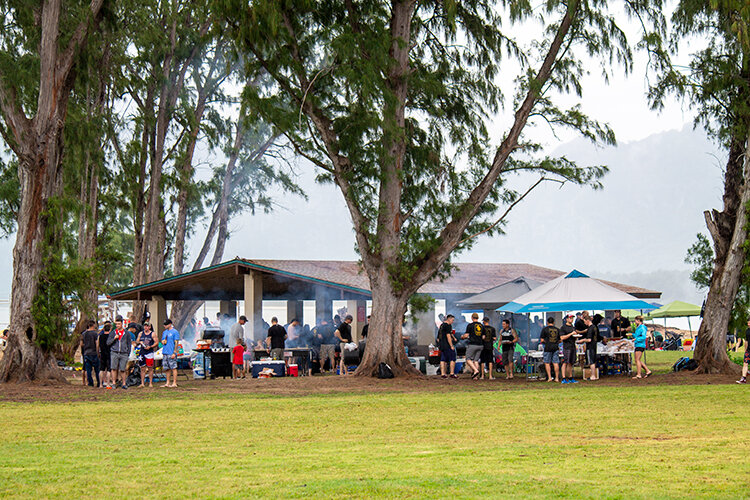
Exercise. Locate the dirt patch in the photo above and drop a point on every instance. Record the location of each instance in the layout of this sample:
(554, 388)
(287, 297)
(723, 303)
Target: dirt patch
(292, 386)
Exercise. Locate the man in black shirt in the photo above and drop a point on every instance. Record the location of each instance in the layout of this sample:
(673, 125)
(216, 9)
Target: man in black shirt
(366, 329)
(550, 338)
(746, 361)
(447, 346)
(90, 352)
(569, 350)
(327, 342)
(488, 356)
(275, 339)
(344, 334)
(592, 336)
(620, 325)
(475, 334)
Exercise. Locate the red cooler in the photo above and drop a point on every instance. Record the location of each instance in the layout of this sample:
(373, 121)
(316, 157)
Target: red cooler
(293, 371)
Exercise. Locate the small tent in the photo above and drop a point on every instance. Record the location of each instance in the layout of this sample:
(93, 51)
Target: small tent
(574, 291)
(676, 309)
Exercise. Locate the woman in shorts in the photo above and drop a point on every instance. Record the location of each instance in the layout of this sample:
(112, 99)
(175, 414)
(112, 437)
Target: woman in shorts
(147, 342)
(639, 341)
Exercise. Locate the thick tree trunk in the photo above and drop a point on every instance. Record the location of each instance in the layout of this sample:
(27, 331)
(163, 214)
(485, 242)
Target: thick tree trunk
(385, 338)
(710, 348)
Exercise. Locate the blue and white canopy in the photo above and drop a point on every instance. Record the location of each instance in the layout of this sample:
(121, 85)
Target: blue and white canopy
(573, 292)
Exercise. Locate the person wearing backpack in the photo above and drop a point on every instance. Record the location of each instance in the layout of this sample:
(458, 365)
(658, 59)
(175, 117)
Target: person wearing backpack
(639, 341)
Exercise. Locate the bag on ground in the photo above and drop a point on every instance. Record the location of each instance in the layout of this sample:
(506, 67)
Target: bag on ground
(384, 371)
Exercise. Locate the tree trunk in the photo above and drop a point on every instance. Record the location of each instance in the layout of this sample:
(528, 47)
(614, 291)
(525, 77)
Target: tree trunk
(710, 348)
(385, 342)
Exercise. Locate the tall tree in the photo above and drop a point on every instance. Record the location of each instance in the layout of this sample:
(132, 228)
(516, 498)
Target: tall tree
(41, 42)
(717, 83)
(391, 100)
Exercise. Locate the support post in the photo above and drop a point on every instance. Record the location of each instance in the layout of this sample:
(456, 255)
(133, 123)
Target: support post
(254, 305)
(295, 309)
(157, 307)
(323, 304)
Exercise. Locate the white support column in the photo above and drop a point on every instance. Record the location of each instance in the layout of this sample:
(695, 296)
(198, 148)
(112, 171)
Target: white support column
(157, 307)
(358, 310)
(254, 305)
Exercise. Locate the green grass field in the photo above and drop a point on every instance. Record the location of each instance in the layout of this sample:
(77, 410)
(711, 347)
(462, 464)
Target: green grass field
(656, 441)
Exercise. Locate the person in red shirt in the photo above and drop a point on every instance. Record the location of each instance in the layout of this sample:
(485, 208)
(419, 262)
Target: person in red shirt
(238, 363)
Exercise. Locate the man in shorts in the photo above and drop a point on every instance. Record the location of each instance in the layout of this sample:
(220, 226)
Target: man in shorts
(120, 341)
(326, 340)
(743, 379)
(447, 346)
(169, 338)
(569, 350)
(488, 354)
(475, 334)
(344, 334)
(550, 338)
(275, 339)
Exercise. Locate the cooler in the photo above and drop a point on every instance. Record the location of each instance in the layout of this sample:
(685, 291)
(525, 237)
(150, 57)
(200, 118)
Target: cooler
(278, 367)
(293, 371)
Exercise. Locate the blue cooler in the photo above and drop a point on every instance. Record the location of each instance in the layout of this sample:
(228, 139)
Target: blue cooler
(278, 367)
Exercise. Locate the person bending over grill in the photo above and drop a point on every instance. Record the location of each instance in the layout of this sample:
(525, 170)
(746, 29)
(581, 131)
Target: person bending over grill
(344, 334)
(275, 339)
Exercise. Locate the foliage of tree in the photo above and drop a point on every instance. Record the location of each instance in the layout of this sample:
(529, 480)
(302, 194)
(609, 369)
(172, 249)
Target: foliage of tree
(716, 82)
(392, 102)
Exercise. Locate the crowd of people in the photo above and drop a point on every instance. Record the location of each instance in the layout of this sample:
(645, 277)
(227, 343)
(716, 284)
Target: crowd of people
(560, 346)
(106, 352)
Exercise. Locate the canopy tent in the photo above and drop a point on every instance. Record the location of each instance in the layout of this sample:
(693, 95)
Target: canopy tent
(574, 291)
(676, 309)
(500, 295)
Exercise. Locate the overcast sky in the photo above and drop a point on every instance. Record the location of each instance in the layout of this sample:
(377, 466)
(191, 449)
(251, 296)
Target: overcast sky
(663, 175)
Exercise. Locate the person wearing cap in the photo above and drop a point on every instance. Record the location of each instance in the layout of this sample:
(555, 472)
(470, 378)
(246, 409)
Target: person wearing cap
(487, 357)
(620, 325)
(120, 341)
(550, 339)
(567, 332)
(169, 338)
(237, 331)
(344, 334)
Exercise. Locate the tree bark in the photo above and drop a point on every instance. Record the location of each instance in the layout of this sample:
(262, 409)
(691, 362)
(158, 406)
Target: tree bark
(729, 245)
(38, 144)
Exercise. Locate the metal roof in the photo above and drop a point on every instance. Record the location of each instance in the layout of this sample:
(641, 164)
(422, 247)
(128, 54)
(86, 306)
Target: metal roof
(288, 279)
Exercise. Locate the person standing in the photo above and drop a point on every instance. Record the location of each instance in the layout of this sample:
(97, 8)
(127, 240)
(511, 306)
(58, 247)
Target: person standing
(639, 342)
(475, 334)
(344, 334)
(567, 332)
(104, 367)
(238, 352)
(447, 346)
(169, 338)
(620, 325)
(366, 329)
(327, 343)
(488, 356)
(275, 339)
(90, 352)
(237, 331)
(746, 360)
(508, 340)
(120, 341)
(592, 336)
(550, 337)
(147, 342)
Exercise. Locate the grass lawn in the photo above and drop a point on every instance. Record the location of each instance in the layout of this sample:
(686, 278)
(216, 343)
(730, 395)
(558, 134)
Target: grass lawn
(584, 441)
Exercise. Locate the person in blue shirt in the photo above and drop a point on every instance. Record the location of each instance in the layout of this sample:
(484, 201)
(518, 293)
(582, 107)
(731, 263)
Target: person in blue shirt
(169, 338)
(639, 341)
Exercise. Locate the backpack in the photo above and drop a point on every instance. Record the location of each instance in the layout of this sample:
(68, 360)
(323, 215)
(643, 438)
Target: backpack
(691, 365)
(680, 364)
(384, 371)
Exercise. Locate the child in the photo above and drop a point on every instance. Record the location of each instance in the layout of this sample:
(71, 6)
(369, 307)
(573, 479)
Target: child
(237, 362)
